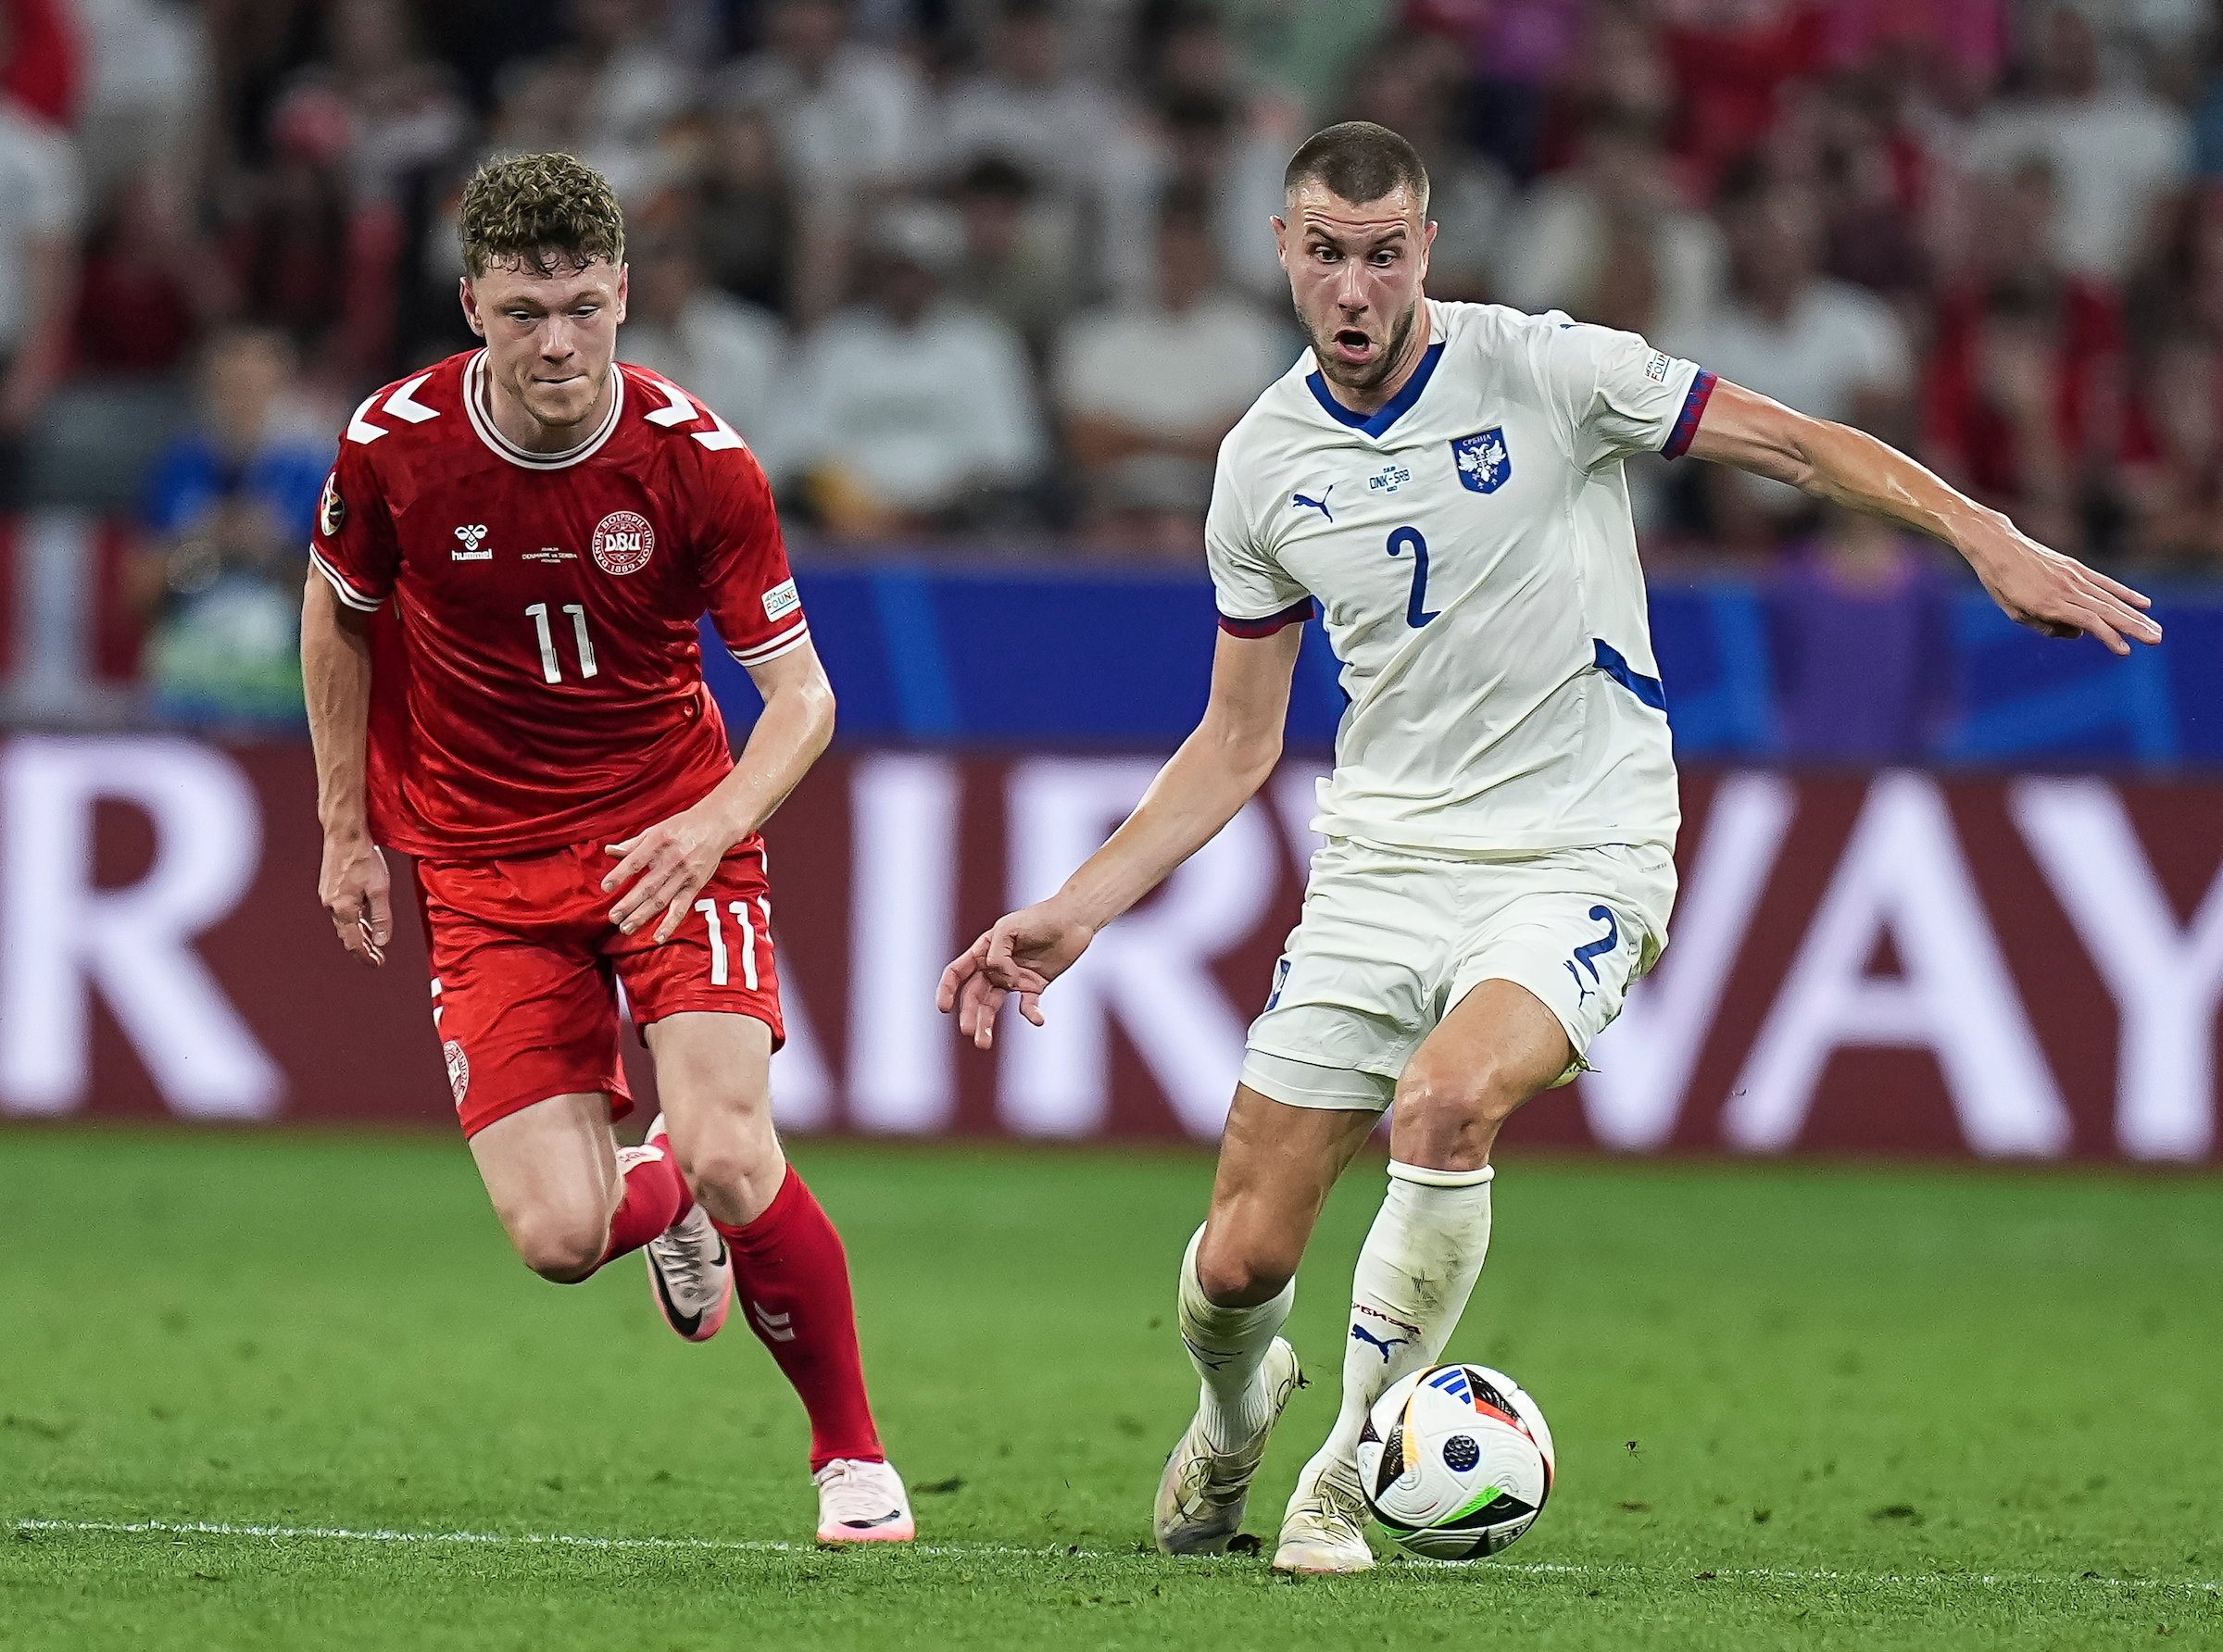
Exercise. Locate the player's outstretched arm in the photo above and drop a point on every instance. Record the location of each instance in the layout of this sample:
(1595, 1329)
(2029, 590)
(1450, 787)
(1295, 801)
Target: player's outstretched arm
(2037, 587)
(664, 867)
(335, 679)
(1199, 791)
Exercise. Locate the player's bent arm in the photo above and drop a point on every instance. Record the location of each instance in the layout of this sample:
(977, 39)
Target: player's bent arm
(1218, 768)
(2037, 587)
(663, 867)
(335, 679)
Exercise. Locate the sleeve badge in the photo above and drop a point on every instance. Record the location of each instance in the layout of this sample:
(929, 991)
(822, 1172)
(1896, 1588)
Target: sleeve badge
(332, 511)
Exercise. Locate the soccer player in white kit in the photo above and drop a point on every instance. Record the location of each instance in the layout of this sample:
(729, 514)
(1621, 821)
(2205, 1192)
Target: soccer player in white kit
(1445, 481)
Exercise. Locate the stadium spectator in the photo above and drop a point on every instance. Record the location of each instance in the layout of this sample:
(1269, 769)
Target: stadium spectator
(2173, 481)
(1073, 135)
(743, 215)
(1304, 48)
(640, 84)
(1517, 52)
(727, 353)
(914, 411)
(2115, 150)
(41, 213)
(1017, 263)
(2023, 398)
(851, 122)
(1607, 241)
(1207, 144)
(1414, 87)
(1735, 65)
(149, 285)
(1147, 393)
(1785, 331)
(228, 513)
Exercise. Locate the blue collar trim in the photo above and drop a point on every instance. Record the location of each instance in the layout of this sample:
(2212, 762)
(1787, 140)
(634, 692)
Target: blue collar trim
(1390, 411)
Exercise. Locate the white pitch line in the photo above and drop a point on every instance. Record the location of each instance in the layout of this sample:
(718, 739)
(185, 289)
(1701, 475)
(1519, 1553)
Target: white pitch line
(1053, 1551)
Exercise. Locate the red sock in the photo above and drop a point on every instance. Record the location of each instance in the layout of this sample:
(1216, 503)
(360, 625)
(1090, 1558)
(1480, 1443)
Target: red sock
(793, 1277)
(656, 1196)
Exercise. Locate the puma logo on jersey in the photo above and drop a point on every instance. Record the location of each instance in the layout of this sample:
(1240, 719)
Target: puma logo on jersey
(471, 537)
(1298, 502)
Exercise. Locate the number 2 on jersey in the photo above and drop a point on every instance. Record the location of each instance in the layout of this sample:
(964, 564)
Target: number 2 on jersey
(1417, 612)
(549, 666)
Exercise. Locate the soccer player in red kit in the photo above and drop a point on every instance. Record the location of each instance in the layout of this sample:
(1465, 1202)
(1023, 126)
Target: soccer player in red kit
(505, 682)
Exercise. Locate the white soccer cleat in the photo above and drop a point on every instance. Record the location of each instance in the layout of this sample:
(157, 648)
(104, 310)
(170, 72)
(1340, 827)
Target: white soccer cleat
(1325, 1529)
(1201, 1496)
(862, 1502)
(690, 1274)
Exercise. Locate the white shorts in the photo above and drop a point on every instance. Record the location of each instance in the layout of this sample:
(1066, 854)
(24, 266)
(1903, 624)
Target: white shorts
(1390, 940)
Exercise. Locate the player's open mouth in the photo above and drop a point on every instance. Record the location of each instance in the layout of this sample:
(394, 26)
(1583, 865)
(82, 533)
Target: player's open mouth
(1354, 346)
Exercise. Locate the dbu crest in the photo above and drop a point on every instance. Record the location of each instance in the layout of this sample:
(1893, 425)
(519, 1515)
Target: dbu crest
(1484, 464)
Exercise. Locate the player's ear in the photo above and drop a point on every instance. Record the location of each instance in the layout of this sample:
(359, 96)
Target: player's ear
(1281, 240)
(471, 306)
(624, 286)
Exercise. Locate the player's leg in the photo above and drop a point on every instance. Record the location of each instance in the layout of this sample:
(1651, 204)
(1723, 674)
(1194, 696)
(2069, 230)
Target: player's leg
(1497, 1048)
(529, 1032)
(1237, 1284)
(1549, 950)
(569, 1199)
(713, 1072)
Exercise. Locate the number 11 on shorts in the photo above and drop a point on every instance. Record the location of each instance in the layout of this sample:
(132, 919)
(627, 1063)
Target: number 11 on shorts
(749, 938)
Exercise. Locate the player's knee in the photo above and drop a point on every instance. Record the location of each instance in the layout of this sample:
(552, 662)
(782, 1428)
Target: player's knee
(563, 1247)
(1442, 1101)
(1237, 1275)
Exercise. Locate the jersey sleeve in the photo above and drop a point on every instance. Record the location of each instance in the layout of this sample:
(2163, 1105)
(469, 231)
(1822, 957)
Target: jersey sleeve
(746, 581)
(352, 543)
(1255, 596)
(1613, 394)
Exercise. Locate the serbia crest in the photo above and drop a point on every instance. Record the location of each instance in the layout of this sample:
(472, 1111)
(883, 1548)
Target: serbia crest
(1484, 463)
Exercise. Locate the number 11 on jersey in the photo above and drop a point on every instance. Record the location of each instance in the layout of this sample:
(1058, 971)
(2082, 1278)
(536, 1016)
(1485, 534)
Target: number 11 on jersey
(549, 669)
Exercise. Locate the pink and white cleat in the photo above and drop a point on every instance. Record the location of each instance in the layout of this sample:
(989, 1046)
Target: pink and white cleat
(689, 1272)
(862, 1502)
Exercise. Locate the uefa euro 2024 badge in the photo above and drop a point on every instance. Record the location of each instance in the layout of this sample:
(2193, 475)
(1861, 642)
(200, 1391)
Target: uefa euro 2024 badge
(1484, 464)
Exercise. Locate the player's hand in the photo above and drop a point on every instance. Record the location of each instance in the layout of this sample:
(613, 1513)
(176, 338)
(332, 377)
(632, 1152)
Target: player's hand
(1023, 953)
(353, 886)
(2057, 594)
(666, 866)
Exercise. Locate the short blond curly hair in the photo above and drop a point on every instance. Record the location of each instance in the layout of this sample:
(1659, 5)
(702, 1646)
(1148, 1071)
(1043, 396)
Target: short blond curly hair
(543, 213)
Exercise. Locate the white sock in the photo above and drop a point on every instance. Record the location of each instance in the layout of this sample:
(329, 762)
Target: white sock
(1227, 1345)
(1415, 1271)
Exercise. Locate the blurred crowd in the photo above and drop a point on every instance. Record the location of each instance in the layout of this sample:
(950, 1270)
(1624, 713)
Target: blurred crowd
(998, 273)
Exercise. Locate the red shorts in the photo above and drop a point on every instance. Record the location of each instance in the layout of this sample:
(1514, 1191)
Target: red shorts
(524, 958)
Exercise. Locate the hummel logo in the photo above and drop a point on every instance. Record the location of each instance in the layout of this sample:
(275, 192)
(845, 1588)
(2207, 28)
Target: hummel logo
(471, 537)
(775, 1327)
(1320, 504)
(1360, 1333)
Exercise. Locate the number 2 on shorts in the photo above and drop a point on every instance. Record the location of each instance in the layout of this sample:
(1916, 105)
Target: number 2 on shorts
(749, 938)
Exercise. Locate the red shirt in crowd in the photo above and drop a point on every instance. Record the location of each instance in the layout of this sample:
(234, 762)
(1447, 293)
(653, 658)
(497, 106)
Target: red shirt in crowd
(536, 675)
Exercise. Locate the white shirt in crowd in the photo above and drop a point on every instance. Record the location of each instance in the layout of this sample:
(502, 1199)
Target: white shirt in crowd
(40, 197)
(861, 125)
(1837, 342)
(1472, 549)
(2111, 157)
(727, 354)
(916, 414)
(1179, 372)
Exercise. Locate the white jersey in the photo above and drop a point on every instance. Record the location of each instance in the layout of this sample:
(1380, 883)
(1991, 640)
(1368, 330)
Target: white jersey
(1471, 546)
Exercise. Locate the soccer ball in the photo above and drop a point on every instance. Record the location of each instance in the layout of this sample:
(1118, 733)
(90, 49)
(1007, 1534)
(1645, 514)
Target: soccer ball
(1455, 1461)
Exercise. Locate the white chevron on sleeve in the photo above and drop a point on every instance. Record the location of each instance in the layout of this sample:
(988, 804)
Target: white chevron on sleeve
(401, 405)
(677, 409)
(722, 437)
(361, 428)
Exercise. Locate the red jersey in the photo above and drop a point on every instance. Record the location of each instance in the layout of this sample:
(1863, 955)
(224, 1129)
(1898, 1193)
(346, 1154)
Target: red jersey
(537, 679)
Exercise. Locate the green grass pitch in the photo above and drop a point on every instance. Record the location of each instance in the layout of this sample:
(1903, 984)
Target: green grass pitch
(1795, 1407)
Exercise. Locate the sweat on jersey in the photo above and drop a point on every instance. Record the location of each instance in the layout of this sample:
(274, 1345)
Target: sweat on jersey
(536, 674)
(1472, 548)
